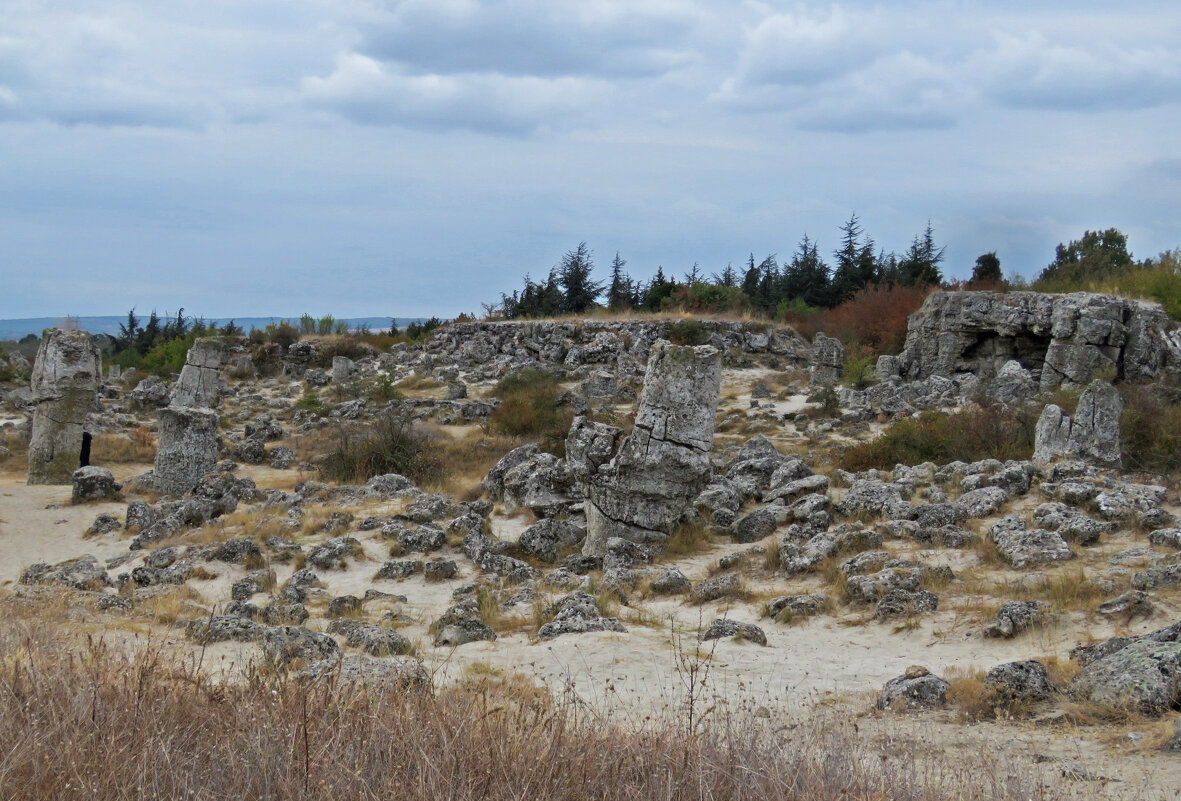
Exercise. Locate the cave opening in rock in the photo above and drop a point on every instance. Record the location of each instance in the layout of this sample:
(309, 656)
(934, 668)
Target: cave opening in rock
(991, 350)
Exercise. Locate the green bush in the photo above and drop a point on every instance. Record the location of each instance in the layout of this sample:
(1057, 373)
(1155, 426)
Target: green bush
(987, 432)
(859, 367)
(392, 444)
(310, 402)
(687, 332)
(530, 408)
(1150, 429)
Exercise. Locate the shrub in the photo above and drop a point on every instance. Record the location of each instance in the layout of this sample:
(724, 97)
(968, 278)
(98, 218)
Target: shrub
(687, 332)
(987, 432)
(392, 444)
(875, 317)
(859, 367)
(530, 407)
(1150, 429)
(379, 389)
(310, 402)
(284, 334)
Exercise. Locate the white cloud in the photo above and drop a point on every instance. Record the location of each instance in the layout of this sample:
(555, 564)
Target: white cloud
(369, 92)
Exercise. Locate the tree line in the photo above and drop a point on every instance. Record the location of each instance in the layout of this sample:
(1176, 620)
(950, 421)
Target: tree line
(804, 281)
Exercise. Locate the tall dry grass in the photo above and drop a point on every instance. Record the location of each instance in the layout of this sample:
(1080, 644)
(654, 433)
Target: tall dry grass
(82, 720)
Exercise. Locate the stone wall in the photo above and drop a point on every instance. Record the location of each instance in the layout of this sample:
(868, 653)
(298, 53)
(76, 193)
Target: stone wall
(1063, 340)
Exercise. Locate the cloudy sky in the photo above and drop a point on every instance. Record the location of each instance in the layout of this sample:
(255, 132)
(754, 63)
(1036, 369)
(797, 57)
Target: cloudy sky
(377, 157)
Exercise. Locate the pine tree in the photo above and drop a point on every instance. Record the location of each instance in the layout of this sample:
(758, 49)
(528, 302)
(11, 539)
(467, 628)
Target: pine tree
(806, 277)
(579, 292)
(920, 264)
(987, 269)
(619, 293)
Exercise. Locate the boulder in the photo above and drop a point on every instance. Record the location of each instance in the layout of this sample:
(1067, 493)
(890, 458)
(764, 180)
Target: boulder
(1144, 676)
(1017, 616)
(549, 537)
(724, 627)
(917, 689)
(93, 483)
(1018, 684)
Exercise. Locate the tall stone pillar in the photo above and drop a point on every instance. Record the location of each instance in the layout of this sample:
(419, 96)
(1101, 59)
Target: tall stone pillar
(64, 385)
(186, 448)
(641, 492)
(200, 378)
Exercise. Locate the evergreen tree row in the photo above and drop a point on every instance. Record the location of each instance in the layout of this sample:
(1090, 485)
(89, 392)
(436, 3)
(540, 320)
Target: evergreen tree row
(805, 281)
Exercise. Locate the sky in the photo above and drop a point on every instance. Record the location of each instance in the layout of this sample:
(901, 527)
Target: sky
(419, 157)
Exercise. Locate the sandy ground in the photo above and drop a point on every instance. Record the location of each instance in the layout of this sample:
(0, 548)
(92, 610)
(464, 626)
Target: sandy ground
(833, 664)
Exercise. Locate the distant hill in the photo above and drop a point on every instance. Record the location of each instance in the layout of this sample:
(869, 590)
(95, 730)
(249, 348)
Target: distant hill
(15, 329)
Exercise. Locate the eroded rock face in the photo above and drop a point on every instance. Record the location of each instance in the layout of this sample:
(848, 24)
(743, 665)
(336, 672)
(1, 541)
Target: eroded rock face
(664, 463)
(1091, 436)
(1063, 340)
(186, 450)
(64, 385)
(200, 378)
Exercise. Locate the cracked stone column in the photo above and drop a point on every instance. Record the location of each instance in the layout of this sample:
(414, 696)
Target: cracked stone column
(200, 378)
(187, 448)
(64, 384)
(664, 463)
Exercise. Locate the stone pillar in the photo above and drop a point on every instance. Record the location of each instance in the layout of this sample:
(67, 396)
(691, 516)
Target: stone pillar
(664, 463)
(342, 369)
(828, 360)
(200, 378)
(187, 448)
(1093, 435)
(64, 385)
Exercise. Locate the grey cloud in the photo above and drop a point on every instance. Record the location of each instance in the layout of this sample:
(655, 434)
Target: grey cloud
(611, 38)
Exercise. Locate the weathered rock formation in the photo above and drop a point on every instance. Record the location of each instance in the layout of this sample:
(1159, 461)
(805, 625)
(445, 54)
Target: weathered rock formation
(1093, 434)
(642, 490)
(621, 348)
(187, 448)
(64, 386)
(1063, 340)
(828, 360)
(200, 378)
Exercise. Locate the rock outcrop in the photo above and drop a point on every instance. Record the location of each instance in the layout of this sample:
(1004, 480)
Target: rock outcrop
(664, 463)
(187, 448)
(620, 348)
(1063, 340)
(64, 386)
(200, 378)
(1092, 435)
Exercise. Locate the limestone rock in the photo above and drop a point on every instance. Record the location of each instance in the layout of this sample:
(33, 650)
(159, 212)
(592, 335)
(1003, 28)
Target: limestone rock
(922, 692)
(724, 627)
(1144, 676)
(547, 538)
(1015, 684)
(93, 483)
(828, 360)
(187, 448)
(1094, 431)
(1063, 340)
(200, 378)
(64, 386)
(664, 463)
(1017, 616)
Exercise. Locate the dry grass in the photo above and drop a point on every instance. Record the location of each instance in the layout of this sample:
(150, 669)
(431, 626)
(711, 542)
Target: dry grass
(418, 382)
(139, 447)
(87, 721)
(688, 540)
